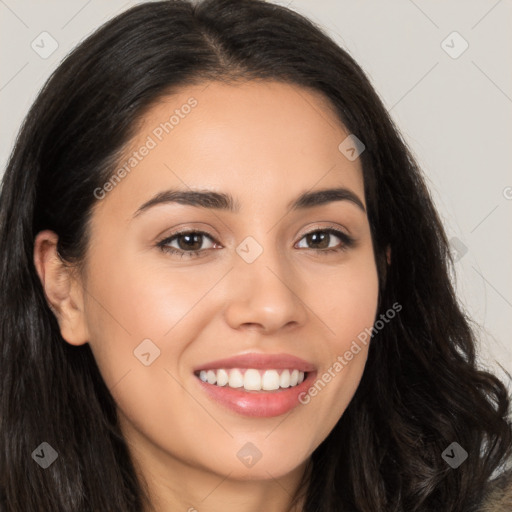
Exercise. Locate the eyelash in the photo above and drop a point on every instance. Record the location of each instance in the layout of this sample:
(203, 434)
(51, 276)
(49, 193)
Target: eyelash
(346, 242)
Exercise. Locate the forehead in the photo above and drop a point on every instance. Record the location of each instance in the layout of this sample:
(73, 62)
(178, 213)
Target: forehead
(260, 139)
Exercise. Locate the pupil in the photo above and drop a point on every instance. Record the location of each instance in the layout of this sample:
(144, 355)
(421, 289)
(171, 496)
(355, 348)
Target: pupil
(323, 238)
(190, 240)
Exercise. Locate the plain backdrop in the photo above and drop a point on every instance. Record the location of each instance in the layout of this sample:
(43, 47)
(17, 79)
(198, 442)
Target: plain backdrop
(441, 68)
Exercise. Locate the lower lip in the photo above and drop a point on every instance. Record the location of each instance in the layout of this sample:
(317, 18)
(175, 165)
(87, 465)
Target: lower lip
(261, 404)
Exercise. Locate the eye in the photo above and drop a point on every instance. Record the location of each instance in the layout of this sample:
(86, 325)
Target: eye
(325, 242)
(188, 243)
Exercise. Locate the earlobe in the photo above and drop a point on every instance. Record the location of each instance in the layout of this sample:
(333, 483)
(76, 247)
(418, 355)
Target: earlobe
(63, 291)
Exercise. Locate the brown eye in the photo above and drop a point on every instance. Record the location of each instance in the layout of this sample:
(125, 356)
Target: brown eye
(190, 243)
(324, 240)
(319, 239)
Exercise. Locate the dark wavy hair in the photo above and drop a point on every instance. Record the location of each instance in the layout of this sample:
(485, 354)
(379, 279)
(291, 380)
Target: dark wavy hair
(421, 389)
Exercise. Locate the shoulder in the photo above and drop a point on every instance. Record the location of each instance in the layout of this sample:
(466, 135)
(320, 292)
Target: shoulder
(498, 494)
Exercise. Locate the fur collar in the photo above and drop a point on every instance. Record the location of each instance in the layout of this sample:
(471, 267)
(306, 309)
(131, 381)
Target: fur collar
(498, 496)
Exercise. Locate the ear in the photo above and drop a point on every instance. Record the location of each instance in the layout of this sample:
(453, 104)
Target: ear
(63, 291)
(388, 254)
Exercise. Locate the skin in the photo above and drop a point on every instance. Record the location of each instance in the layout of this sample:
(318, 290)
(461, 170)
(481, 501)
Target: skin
(265, 143)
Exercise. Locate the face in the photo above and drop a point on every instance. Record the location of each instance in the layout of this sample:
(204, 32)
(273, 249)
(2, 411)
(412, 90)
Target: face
(260, 289)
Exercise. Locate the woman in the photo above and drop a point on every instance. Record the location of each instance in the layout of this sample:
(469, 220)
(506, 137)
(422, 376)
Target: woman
(224, 285)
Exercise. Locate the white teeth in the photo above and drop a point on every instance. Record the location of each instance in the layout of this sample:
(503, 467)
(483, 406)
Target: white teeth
(285, 379)
(236, 379)
(222, 377)
(251, 379)
(270, 380)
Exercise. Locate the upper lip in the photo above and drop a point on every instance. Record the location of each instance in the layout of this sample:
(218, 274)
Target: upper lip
(259, 361)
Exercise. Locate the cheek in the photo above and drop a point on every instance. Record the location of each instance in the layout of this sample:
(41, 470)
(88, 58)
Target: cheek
(349, 308)
(130, 301)
(347, 300)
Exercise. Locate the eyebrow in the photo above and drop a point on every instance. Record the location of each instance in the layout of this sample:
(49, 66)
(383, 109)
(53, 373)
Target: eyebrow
(226, 202)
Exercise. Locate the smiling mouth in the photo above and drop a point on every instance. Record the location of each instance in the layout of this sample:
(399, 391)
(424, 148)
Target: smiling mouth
(251, 379)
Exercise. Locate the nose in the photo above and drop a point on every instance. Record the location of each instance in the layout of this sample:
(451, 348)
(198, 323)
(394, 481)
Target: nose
(264, 295)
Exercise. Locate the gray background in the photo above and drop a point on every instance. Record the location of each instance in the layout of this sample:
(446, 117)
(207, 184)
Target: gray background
(455, 113)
